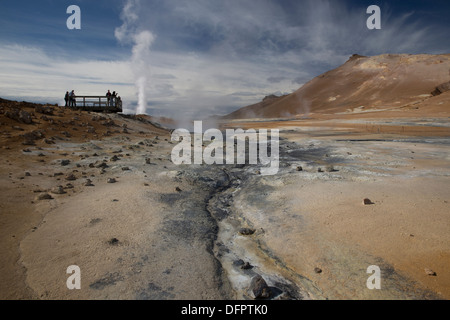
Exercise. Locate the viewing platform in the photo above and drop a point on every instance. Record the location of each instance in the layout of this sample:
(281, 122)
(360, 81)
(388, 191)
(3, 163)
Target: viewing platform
(97, 104)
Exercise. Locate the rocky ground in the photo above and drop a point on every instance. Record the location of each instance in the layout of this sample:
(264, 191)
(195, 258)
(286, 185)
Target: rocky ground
(99, 191)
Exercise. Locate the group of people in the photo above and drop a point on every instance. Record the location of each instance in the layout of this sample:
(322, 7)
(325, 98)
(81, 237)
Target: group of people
(113, 99)
(70, 100)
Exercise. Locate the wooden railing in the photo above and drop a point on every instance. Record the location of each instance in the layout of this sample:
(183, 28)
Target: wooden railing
(97, 103)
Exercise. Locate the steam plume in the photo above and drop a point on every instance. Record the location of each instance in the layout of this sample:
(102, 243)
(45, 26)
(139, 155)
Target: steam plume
(127, 33)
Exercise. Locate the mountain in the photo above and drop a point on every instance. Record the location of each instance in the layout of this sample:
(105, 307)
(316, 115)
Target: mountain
(362, 84)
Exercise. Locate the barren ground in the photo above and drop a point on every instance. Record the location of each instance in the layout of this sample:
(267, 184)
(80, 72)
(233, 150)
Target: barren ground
(163, 231)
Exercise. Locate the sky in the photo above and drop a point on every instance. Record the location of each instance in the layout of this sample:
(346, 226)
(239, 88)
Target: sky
(196, 58)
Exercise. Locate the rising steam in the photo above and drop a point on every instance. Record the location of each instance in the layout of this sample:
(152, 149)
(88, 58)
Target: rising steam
(141, 40)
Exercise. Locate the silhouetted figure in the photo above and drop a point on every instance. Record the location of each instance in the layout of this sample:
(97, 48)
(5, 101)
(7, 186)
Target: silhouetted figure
(73, 102)
(113, 98)
(66, 99)
(108, 100)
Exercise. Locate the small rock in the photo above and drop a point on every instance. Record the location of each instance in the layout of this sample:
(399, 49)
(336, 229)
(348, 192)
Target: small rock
(246, 231)
(299, 168)
(246, 266)
(27, 174)
(102, 165)
(259, 288)
(125, 168)
(71, 177)
(65, 162)
(48, 141)
(178, 189)
(88, 183)
(113, 241)
(44, 196)
(317, 270)
(58, 190)
(367, 201)
(430, 272)
(111, 180)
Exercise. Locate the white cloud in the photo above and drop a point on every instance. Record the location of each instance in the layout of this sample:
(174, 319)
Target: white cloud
(30, 72)
(203, 56)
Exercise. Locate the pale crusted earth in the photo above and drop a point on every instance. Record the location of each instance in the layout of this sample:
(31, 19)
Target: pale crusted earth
(170, 232)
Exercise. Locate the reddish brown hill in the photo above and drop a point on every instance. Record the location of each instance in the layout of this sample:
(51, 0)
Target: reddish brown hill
(362, 84)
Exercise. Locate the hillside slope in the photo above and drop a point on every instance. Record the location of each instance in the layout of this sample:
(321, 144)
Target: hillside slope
(362, 84)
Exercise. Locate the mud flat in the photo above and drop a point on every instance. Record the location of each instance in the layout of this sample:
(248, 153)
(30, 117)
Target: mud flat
(313, 229)
(140, 227)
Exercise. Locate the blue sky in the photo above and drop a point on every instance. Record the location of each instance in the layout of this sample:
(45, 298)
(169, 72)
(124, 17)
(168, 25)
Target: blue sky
(199, 57)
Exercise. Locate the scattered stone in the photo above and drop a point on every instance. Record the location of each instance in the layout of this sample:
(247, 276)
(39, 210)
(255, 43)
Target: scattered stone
(299, 168)
(330, 168)
(108, 123)
(19, 115)
(259, 288)
(27, 174)
(65, 162)
(246, 231)
(44, 110)
(48, 141)
(71, 177)
(44, 196)
(125, 168)
(95, 220)
(178, 189)
(90, 130)
(69, 186)
(26, 150)
(148, 161)
(58, 190)
(430, 272)
(319, 170)
(102, 165)
(246, 266)
(367, 201)
(111, 180)
(113, 241)
(114, 158)
(88, 183)
(317, 270)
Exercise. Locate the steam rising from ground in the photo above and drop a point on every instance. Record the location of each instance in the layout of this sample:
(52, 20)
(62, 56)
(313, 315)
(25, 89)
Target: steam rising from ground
(141, 41)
